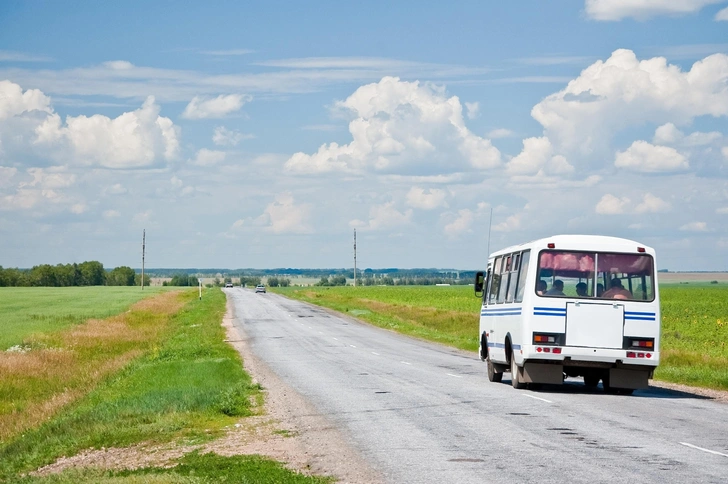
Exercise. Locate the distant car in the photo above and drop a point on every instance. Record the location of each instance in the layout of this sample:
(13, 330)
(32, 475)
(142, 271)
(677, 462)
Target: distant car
(260, 288)
(229, 284)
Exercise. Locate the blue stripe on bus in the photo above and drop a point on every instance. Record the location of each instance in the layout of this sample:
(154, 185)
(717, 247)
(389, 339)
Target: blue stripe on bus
(640, 316)
(501, 312)
(543, 311)
(502, 345)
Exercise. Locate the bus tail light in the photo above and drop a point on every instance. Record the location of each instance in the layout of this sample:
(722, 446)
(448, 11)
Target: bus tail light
(553, 339)
(639, 343)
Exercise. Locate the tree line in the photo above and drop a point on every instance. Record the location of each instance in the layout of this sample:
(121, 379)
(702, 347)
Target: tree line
(89, 273)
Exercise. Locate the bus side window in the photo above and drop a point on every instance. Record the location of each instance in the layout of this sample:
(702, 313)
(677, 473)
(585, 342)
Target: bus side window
(513, 278)
(505, 277)
(495, 282)
(522, 275)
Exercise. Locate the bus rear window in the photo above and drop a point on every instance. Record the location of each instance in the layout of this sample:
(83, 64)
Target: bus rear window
(600, 275)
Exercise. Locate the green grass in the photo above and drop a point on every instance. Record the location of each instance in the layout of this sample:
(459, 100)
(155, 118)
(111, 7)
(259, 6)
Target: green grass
(193, 468)
(694, 349)
(445, 314)
(187, 385)
(28, 310)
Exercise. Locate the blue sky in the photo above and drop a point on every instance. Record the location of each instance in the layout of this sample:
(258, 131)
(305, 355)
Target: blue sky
(261, 134)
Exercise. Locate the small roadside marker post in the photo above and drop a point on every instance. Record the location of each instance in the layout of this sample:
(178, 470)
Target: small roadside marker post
(199, 281)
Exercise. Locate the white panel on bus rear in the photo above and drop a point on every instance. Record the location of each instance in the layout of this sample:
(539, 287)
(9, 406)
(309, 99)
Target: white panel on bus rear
(594, 325)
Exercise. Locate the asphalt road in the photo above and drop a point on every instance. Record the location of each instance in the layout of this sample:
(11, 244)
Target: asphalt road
(423, 413)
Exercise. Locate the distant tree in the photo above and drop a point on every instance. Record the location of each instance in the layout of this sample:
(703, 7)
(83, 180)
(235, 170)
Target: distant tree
(67, 275)
(92, 273)
(43, 275)
(148, 280)
(121, 276)
(180, 280)
(273, 282)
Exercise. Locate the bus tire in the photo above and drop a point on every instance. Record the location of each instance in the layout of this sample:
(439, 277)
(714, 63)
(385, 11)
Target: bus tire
(591, 380)
(493, 375)
(515, 377)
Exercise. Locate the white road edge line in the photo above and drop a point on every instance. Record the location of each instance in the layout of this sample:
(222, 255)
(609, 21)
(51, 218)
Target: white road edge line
(405, 363)
(537, 398)
(352, 346)
(704, 450)
(456, 376)
(374, 353)
(337, 339)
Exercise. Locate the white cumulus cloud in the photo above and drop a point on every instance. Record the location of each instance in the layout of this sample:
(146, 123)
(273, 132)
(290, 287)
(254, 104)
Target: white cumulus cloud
(382, 217)
(207, 157)
(218, 107)
(722, 15)
(461, 224)
(642, 9)
(399, 127)
(500, 133)
(425, 199)
(644, 157)
(228, 137)
(537, 155)
(284, 216)
(611, 205)
(135, 139)
(695, 227)
(652, 204)
(623, 91)
(13, 101)
(473, 110)
(669, 134)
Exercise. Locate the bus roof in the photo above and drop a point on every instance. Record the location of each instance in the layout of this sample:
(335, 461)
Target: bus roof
(581, 242)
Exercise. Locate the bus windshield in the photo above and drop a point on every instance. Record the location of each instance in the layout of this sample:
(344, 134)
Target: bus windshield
(600, 275)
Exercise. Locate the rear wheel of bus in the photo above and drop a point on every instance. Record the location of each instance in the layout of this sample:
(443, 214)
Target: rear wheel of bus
(515, 375)
(493, 374)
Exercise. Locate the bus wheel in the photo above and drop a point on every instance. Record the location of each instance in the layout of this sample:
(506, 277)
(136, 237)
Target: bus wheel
(591, 381)
(493, 375)
(515, 378)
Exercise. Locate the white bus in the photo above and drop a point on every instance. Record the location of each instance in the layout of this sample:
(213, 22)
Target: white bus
(571, 305)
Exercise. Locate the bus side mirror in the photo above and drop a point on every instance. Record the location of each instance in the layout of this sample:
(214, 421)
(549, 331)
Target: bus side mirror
(479, 283)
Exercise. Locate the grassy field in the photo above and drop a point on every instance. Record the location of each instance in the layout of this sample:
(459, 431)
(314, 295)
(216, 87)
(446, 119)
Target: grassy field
(694, 321)
(160, 371)
(28, 310)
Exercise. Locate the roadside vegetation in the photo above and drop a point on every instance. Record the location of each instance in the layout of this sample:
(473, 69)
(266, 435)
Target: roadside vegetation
(694, 348)
(444, 314)
(157, 372)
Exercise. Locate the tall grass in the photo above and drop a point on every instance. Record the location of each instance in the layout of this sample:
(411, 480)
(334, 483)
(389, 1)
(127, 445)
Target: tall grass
(694, 335)
(28, 310)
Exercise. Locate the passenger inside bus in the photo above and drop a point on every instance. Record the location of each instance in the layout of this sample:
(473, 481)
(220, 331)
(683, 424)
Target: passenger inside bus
(600, 289)
(581, 290)
(617, 291)
(541, 287)
(557, 289)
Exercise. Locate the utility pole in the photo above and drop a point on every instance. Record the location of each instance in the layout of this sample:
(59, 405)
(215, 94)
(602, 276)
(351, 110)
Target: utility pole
(144, 239)
(354, 257)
